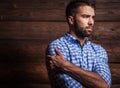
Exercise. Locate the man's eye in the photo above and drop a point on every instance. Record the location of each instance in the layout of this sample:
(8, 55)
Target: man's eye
(85, 16)
(93, 17)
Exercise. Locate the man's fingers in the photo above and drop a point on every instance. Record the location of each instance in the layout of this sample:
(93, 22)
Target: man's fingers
(58, 52)
(52, 65)
(49, 56)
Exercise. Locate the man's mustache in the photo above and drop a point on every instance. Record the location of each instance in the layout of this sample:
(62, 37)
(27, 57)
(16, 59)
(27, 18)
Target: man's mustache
(89, 27)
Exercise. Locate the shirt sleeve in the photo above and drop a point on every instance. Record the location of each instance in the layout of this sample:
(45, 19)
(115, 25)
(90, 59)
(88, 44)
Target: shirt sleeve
(51, 74)
(53, 78)
(101, 65)
(55, 45)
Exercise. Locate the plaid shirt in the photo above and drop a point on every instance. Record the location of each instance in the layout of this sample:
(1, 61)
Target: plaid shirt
(91, 57)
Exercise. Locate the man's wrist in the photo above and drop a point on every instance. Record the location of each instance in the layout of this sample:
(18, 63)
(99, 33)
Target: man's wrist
(66, 66)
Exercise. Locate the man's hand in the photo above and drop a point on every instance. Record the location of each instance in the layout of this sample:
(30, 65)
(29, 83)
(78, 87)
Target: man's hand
(58, 60)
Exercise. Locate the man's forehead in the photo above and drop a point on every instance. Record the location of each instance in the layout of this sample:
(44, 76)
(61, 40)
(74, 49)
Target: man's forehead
(86, 10)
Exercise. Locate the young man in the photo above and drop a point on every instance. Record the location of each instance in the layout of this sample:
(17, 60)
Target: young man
(72, 60)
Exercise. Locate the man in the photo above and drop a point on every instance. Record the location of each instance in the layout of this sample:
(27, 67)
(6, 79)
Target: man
(72, 60)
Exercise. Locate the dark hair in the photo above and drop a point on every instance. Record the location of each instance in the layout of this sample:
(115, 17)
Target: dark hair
(72, 7)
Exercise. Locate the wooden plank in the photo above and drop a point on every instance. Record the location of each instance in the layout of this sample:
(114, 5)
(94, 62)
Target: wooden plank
(115, 71)
(104, 31)
(34, 5)
(35, 15)
(37, 86)
(31, 11)
(23, 73)
(32, 15)
(34, 51)
(32, 30)
(53, 4)
(115, 86)
(27, 40)
(107, 5)
(37, 1)
(37, 73)
(108, 1)
(22, 52)
(107, 15)
(25, 86)
(113, 50)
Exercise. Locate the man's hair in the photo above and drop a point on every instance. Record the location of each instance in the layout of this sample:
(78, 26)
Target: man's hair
(72, 7)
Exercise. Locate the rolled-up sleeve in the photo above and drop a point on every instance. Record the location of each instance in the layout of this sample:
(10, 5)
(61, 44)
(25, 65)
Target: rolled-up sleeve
(101, 66)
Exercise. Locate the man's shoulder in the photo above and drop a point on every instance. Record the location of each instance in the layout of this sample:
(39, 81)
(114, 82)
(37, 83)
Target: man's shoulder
(97, 47)
(58, 42)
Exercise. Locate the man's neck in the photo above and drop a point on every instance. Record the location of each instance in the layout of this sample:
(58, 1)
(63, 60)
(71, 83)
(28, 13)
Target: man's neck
(82, 40)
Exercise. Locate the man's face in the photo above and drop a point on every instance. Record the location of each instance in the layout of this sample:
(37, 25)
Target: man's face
(84, 21)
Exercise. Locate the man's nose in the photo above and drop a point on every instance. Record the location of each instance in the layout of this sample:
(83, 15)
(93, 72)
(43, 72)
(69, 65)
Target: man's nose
(91, 21)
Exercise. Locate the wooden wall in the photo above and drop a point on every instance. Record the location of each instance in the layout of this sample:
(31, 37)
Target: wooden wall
(28, 26)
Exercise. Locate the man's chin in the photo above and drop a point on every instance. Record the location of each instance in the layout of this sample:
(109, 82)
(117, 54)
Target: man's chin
(88, 34)
(84, 36)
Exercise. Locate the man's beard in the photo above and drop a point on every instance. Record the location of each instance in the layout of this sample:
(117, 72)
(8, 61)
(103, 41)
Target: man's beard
(82, 32)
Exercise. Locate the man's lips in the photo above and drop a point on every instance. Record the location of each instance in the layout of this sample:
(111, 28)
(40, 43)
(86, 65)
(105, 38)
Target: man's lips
(89, 28)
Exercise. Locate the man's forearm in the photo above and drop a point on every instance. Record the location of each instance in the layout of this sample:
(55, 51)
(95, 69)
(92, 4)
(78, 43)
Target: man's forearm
(87, 78)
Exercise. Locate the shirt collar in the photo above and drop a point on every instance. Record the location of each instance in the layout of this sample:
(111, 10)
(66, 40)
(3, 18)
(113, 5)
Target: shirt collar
(72, 39)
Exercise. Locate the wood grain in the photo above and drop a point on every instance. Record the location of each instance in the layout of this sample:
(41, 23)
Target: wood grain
(52, 11)
(41, 30)
(28, 26)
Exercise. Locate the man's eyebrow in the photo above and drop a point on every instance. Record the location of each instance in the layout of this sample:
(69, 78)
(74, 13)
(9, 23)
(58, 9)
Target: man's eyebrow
(87, 15)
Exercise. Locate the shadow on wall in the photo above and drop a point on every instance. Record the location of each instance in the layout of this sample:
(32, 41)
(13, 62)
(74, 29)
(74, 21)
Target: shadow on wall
(21, 67)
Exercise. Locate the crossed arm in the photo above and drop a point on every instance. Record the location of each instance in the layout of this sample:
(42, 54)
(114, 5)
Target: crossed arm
(87, 78)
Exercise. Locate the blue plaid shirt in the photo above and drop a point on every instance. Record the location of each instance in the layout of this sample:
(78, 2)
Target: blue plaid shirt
(91, 57)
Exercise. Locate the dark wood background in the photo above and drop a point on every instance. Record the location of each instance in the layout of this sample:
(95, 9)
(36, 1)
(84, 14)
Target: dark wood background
(28, 26)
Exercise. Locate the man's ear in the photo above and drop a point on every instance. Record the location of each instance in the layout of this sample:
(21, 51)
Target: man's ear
(71, 20)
